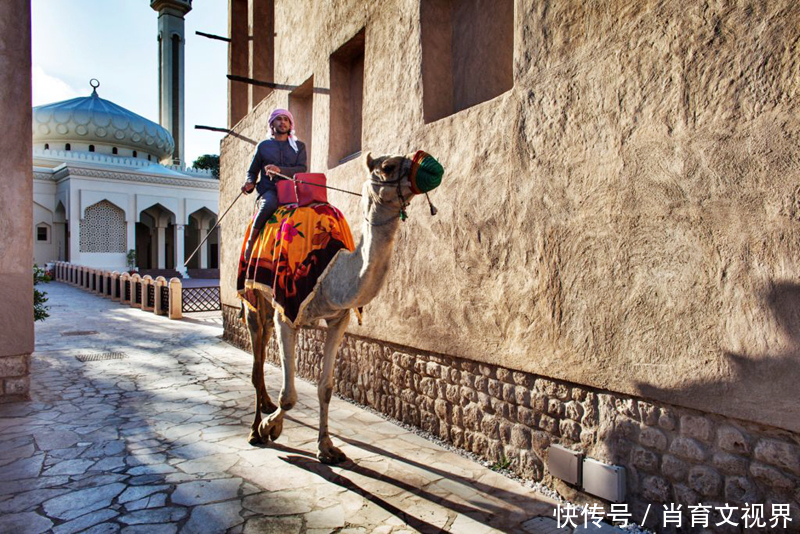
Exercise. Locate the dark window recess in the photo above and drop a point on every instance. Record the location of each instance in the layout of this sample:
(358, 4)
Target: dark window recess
(301, 104)
(41, 233)
(149, 158)
(67, 147)
(135, 154)
(467, 55)
(347, 97)
(261, 16)
(47, 146)
(114, 150)
(91, 148)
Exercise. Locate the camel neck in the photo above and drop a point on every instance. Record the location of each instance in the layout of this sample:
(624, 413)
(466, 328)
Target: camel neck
(375, 248)
(364, 270)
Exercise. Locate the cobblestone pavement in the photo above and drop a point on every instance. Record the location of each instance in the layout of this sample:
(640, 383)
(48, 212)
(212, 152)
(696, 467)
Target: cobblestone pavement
(155, 441)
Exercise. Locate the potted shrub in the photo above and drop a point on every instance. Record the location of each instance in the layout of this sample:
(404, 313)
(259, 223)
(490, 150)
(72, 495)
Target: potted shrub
(40, 297)
(130, 257)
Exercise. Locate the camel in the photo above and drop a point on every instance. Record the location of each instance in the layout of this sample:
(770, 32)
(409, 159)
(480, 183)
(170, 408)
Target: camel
(352, 282)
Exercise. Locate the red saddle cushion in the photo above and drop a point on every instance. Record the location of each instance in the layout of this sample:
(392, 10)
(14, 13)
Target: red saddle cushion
(309, 188)
(286, 192)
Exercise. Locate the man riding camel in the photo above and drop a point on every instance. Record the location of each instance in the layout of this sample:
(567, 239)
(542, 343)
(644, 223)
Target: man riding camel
(282, 153)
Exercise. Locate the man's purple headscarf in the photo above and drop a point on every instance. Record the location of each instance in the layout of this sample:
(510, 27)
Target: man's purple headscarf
(277, 113)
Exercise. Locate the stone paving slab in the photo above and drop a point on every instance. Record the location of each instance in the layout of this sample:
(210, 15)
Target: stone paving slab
(157, 442)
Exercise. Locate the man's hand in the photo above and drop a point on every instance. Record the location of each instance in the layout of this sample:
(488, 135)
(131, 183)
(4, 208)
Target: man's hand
(248, 187)
(271, 169)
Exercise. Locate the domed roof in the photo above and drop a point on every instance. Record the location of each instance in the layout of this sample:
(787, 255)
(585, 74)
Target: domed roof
(92, 119)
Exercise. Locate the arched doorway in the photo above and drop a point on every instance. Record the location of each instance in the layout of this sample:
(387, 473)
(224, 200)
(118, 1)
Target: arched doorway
(200, 224)
(155, 239)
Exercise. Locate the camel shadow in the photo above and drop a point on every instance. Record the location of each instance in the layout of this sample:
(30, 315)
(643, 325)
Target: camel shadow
(312, 465)
(486, 512)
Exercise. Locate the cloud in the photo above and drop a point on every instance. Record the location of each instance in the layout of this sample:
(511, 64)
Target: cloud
(48, 89)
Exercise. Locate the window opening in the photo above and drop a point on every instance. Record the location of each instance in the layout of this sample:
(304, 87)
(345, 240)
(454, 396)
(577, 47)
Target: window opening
(91, 148)
(347, 97)
(114, 150)
(67, 147)
(135, 154)
(41, 234)
(301, 102)
(467, 56)
(261, 26)
(238, 52)
(46, 146)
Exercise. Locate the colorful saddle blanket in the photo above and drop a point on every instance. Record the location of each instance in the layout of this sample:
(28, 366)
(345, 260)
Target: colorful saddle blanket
(294, 249)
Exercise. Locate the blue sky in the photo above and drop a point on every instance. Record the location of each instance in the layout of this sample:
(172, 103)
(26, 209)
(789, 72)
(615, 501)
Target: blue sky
(115, 42)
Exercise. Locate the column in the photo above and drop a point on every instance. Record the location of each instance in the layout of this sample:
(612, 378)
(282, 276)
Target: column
(171, 70)
(16, 207)
(131, 234)
(162, 247)
(179, 249)
(202, 233)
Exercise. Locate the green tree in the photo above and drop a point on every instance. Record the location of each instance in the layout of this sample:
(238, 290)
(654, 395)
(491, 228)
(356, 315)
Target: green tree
(208, 161)
(39, 297)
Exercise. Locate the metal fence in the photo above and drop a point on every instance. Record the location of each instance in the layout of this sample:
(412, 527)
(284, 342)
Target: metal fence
(200, 299)
(127, 290)
(151, 296)
(165, 298)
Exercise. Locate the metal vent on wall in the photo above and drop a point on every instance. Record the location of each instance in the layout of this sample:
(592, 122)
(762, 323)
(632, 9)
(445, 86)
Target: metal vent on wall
(101, 356)
(564, 463)
(604, 480)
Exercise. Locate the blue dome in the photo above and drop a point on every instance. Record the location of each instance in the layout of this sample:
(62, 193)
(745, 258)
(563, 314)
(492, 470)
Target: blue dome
(92, 119)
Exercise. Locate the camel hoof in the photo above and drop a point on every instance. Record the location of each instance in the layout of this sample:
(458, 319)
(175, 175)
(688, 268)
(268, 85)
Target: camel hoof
(331, 456)
(254, 438)
(270, 429)
(268, 407)
(275, 431)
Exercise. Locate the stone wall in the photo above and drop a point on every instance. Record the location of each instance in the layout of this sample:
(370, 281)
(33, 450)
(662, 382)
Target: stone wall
(16, 201)
(614, 262)
(671, 454)
(625, 216)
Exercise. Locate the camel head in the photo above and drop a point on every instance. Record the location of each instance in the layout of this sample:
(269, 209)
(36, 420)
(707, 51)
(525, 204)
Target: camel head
(395, 180)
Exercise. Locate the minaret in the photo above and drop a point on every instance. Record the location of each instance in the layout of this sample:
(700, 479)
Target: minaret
(170, 69)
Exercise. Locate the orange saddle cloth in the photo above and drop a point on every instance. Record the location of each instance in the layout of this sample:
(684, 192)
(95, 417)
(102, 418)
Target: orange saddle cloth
(295, 248)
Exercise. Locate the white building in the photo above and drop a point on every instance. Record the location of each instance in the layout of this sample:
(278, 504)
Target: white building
(100, 191)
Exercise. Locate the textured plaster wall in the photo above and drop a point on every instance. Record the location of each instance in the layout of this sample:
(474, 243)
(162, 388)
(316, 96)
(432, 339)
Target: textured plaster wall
(625, 217)
(16, 200)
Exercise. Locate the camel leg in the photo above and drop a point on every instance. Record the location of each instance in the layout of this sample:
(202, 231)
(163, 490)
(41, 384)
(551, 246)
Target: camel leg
(259, 337)
(265, 320)
(327, 453)
(272, 427)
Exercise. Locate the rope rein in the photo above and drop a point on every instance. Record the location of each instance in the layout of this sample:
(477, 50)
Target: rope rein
(403, 202)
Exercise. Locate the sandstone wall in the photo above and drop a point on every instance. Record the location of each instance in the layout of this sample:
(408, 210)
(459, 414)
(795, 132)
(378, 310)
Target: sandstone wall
(16, 201)
(624, 218)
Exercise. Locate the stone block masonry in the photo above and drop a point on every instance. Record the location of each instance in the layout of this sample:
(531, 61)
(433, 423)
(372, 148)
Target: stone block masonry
(671, 454)
(14, 377)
